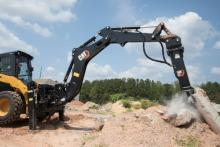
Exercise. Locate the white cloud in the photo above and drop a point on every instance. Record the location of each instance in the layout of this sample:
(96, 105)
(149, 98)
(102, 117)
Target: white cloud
(95, 71)
(69, 56)
(30, 13)
(50, 69)
(51, 73)
(147, 69)
(33, 26)
(43, 10)
(126, 12)
(10, 42)
(39, 29)
(195, 74)
(215, 71)
(217, 45)
(144, 69)
(193, 30)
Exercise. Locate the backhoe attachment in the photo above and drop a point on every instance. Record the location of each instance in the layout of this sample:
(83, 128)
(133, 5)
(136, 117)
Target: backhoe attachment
(64, 93)
(122, 35)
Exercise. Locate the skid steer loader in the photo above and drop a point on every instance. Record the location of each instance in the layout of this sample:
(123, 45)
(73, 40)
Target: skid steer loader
(19, 94)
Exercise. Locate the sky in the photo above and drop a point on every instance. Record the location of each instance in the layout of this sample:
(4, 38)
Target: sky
(50, 29)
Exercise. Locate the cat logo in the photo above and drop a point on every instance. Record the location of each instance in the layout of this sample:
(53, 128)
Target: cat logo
(180, 73)
(84, 55)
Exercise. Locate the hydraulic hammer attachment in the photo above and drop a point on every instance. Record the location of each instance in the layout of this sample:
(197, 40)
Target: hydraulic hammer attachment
(175, 51)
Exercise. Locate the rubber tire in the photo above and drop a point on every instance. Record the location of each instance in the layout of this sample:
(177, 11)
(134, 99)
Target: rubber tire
(16, 107)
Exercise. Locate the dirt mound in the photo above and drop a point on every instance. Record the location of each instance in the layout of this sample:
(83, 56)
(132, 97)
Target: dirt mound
(118, 108)
(79, 106)
(77, 103)
(53, 133)
(86, 128)
(146, 128)
(74, 105)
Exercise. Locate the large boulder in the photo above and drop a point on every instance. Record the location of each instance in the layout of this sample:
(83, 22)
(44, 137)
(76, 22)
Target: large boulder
(216, 107)
(206, 109)
(184, 117)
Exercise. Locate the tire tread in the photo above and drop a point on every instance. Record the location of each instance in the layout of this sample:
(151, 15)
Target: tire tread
(18, 107)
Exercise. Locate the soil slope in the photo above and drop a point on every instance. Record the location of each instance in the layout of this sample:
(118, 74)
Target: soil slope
(131, 129)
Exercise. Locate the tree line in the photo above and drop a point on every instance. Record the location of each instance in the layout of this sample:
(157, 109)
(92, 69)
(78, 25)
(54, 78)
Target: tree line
(102, 91)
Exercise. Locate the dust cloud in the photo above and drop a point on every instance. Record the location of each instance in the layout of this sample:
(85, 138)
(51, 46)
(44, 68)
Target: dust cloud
(179, 103)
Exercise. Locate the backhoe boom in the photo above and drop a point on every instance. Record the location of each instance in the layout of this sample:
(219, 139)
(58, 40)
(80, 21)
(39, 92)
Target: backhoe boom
(83, 54)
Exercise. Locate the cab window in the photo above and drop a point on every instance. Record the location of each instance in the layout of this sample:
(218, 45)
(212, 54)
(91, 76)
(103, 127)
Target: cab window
(23, 69)
(6, 65)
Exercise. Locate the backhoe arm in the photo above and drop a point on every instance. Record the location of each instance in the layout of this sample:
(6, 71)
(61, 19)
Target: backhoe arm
(83, 54)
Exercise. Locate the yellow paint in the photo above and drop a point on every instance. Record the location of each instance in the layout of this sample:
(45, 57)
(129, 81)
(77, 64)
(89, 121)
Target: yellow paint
(76, 74)
(4, 106)
(16, 84)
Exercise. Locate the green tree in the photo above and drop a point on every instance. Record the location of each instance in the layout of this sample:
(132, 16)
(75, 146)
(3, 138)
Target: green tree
(213, 91)
(101, 91)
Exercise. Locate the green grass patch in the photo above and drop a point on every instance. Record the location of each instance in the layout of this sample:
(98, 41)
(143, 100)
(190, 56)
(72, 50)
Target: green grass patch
(126, 103)
(129, 110)
(145, 103)
(136, 105)
(189, 141)
(89, 137)
(118, 96)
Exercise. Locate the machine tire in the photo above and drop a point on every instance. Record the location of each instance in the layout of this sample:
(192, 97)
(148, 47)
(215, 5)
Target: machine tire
(15, 107)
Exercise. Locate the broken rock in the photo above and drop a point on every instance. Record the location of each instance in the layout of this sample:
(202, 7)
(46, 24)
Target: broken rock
(184, 117)
(206, 109)
(216, 107)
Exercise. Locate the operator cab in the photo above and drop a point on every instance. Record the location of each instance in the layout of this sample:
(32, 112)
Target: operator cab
(17, 64)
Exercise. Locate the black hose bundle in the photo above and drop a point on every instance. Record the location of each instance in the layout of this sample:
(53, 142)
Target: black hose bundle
(164, 61)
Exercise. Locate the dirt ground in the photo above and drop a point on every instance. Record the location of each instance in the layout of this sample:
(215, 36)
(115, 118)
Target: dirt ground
(131, 129)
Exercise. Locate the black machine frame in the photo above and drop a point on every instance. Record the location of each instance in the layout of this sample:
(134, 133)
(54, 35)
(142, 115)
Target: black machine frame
(122, 35)
(88, 50)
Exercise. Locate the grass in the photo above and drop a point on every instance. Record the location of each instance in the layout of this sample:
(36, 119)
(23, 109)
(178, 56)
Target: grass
(113, 114)
(189, 141)
(126, 103)
(115, 97)
(136, 105)
(145, 103)
(95, 106)
(129, 110)
(89, 137)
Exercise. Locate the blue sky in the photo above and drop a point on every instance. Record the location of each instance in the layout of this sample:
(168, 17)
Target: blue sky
(49, 29)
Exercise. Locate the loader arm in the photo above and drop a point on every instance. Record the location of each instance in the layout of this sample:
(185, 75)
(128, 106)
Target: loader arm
(83, 54)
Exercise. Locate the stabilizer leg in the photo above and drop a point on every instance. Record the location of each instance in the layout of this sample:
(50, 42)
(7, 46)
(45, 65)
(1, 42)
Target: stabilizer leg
(32, 111)
(61, 115)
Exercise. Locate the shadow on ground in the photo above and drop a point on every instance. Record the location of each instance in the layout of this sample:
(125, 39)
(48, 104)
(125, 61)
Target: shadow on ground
(48, 124)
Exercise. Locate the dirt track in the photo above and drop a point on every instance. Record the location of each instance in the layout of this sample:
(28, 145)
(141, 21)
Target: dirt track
(53, 133)
(139, 128)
